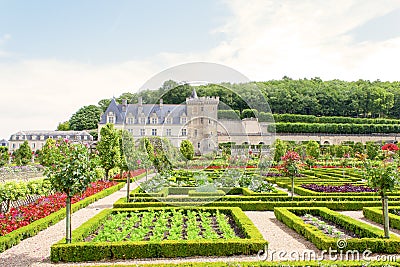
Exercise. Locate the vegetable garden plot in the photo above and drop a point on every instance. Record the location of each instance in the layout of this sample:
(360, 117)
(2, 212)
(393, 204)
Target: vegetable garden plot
(167, 225)
(161, 232)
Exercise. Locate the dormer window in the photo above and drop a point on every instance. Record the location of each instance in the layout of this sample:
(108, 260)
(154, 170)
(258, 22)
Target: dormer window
(111, 117)
(183, 120)
(169, 120)
(153, 120)
(130, 120)
(142, 120)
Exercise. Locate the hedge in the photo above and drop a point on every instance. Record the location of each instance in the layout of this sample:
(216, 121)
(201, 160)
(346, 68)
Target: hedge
(79, 250)
(375, 214)
(254, 205)
(330, 119)
(333, 128)
(372, 238)
(194, 193)
(166, 191)
(32, 229)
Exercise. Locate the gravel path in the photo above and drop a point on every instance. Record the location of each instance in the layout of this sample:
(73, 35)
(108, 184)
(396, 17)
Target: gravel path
(280, 237)
(358, 215)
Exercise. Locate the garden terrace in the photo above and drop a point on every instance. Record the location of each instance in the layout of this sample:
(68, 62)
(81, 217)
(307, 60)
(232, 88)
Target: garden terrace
(369, 236)
(192, 233)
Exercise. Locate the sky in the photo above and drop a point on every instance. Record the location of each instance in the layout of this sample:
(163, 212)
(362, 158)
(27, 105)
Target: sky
(59, 55)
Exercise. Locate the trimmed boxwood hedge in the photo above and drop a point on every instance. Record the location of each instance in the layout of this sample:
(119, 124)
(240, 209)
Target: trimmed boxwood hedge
(185, 191)
(371, 237)
(375, 214)
(194, 193)
(35, 227)
(256, 205)
(79, 250)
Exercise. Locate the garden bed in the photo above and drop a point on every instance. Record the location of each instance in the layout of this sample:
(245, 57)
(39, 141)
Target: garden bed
(369, 237)
(159, 232)
(375, 214)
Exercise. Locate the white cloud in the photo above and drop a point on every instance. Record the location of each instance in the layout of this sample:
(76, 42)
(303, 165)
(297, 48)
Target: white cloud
(264, 40)
(38, 94)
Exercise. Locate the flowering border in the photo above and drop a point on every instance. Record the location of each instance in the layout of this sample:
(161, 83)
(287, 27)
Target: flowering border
(13, 238)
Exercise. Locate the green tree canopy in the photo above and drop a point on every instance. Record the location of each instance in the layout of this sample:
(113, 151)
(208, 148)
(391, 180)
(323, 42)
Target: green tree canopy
(85, 118)
(63, 126)
(108, 147)
(23, 155)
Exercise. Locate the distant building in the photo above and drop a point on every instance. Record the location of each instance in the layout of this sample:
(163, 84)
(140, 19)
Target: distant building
(195, 120)
(37, 139)
(3, 142)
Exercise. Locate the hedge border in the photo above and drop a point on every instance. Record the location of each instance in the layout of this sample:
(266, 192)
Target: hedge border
(375, 214)
(91, 251)
(16, 236)
(194, 193)
(371, 237)
(255, 205)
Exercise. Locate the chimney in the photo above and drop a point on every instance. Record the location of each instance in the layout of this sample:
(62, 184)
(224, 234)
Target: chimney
(140, 101)
(161, 102)
(124, 104)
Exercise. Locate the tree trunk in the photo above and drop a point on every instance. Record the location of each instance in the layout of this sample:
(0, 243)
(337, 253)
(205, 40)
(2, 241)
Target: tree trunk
(292, 187)
(68, 220)
(385, 216)
(128, 185)
(146, 174)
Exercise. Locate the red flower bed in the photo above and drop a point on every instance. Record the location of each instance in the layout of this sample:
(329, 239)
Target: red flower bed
(44, 206)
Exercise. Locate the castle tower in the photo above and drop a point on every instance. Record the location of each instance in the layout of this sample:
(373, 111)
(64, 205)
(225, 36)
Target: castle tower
(202, 122)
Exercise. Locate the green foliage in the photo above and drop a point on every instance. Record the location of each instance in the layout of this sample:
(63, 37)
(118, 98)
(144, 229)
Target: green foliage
(109, 148)
(333, 128)
(63, 126)
(4, 156)
(312, 149)
(384, 177)
(160, 152)
(249, 113)
(85, 118)
(23, 155)
(372, 150)
(280, 149)
(47, 155)
(72, 169)
(187, 149)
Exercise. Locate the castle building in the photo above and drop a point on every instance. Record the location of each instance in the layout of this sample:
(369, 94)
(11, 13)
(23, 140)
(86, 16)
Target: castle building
(194, 120)
(37, 139)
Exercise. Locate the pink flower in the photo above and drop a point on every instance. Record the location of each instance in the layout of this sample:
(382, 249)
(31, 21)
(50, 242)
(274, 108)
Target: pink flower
(139, 161)
(390, 147)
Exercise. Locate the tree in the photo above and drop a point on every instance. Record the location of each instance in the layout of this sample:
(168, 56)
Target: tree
(23, 155)
(71, 172)
(63, 126)
(103, 104)
(127, 156)
(4, 156)
(290, 166)
(384, 178)
(46, 154)
(312, 149)
(108, 147)
(187, 150)
(85, 118)
(280, 149)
